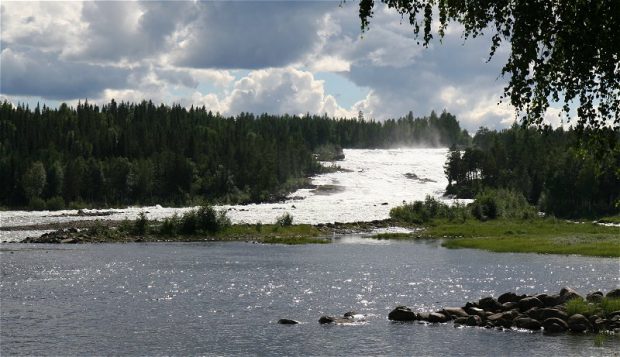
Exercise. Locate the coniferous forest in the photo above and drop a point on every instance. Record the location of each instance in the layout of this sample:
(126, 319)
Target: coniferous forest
(567, 173)
(123, 154)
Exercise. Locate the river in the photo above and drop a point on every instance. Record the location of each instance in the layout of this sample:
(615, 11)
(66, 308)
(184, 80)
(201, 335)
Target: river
(370, 184)
(225, 298)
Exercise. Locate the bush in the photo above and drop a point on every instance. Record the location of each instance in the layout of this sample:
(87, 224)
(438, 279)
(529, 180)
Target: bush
(420, 212)
(169, 226)
(140, 225)
(56, 203)
(493, 204)
(285, 220)
(205, 219)
(36, 204)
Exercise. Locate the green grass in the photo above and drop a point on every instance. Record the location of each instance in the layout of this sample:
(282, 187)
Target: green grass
(548, 236)
(610, 305)
(610, 219)
(580, 306)
(294, 240)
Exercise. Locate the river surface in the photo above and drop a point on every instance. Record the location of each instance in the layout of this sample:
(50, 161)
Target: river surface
(225, 298)
(370, 184)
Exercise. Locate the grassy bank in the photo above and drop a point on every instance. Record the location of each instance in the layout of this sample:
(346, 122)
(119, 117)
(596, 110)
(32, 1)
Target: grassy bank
(547, 236)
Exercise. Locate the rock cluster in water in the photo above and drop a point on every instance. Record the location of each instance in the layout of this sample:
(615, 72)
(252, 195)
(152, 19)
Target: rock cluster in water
(536, 312)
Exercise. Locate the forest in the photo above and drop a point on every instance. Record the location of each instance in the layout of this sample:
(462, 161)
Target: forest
(121, 154)
(571, 173)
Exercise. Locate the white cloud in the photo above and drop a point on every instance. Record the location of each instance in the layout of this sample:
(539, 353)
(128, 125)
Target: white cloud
(282, 90)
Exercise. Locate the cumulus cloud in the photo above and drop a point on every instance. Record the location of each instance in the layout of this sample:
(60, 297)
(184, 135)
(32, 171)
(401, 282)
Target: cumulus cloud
(31, 72)
(251, 35)
(282, 90)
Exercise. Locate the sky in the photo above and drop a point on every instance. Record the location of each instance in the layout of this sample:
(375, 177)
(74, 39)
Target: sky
(278, 57)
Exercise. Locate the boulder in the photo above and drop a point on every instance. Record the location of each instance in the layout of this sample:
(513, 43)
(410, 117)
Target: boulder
(614, 294)
(613, 314)
(287, 322)
(402, 313)
(350, 314)
(454, 312)
(495, 317)
(600, 324)
(578, 323)
(509, 305)
(490, 304)
(326, 320)
(69, 241)
(596, 296)
(437, 317)
(551, 300)
(551, 312)
(554, 325)
(528, 303)
(527, 323)
(473, 320)
(509, 297)
(569, 294)
(423, 316)
(476, 311)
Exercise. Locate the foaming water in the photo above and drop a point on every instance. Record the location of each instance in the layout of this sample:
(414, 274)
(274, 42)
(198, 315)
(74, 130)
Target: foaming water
(373, 181)
(225, 298)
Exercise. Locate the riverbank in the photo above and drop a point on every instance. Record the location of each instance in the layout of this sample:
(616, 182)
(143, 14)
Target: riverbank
(539, 235)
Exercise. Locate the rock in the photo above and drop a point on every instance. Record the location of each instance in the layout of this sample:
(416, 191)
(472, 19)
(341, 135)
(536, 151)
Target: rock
(473, 320)
(454, 312)
(326, 320)
(350, 314)
(614, 294)
(495, 317)
(423, 316)
(69, 241)
(528, 303)
(613, 314)
(509, 297)
(287, 322)
(527, 323)
(402, 313)
(461, 320)
(554, 325)
(551, 300)
(569, 294)
(578, 323)
(509, 305)
(600, 324)
(596, 296)
(489, 304)
(476, 311)
(551, 312)
(436, 317)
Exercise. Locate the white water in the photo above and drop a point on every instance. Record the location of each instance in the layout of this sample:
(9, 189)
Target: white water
(373, 182)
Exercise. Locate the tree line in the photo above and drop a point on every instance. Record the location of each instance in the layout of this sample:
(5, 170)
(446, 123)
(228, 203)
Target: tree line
(568, 173)
(123, 153)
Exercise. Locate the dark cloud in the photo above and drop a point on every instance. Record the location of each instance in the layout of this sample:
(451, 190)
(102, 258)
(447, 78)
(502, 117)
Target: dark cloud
(131, 30)
(251, 35)
(35, 73)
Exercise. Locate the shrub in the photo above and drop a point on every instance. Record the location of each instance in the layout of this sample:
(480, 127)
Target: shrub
(420, 212)
(36, 204)
(493, 204)
(285, 220)
(205, 219)
(141, 225)
(55, 203)
(169, 226)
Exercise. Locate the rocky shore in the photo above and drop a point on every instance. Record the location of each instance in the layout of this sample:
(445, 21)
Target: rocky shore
(556, 313)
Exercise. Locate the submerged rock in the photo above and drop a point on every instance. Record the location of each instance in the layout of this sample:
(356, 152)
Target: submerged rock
(578, 323)
(287, 322)
(554, 325)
